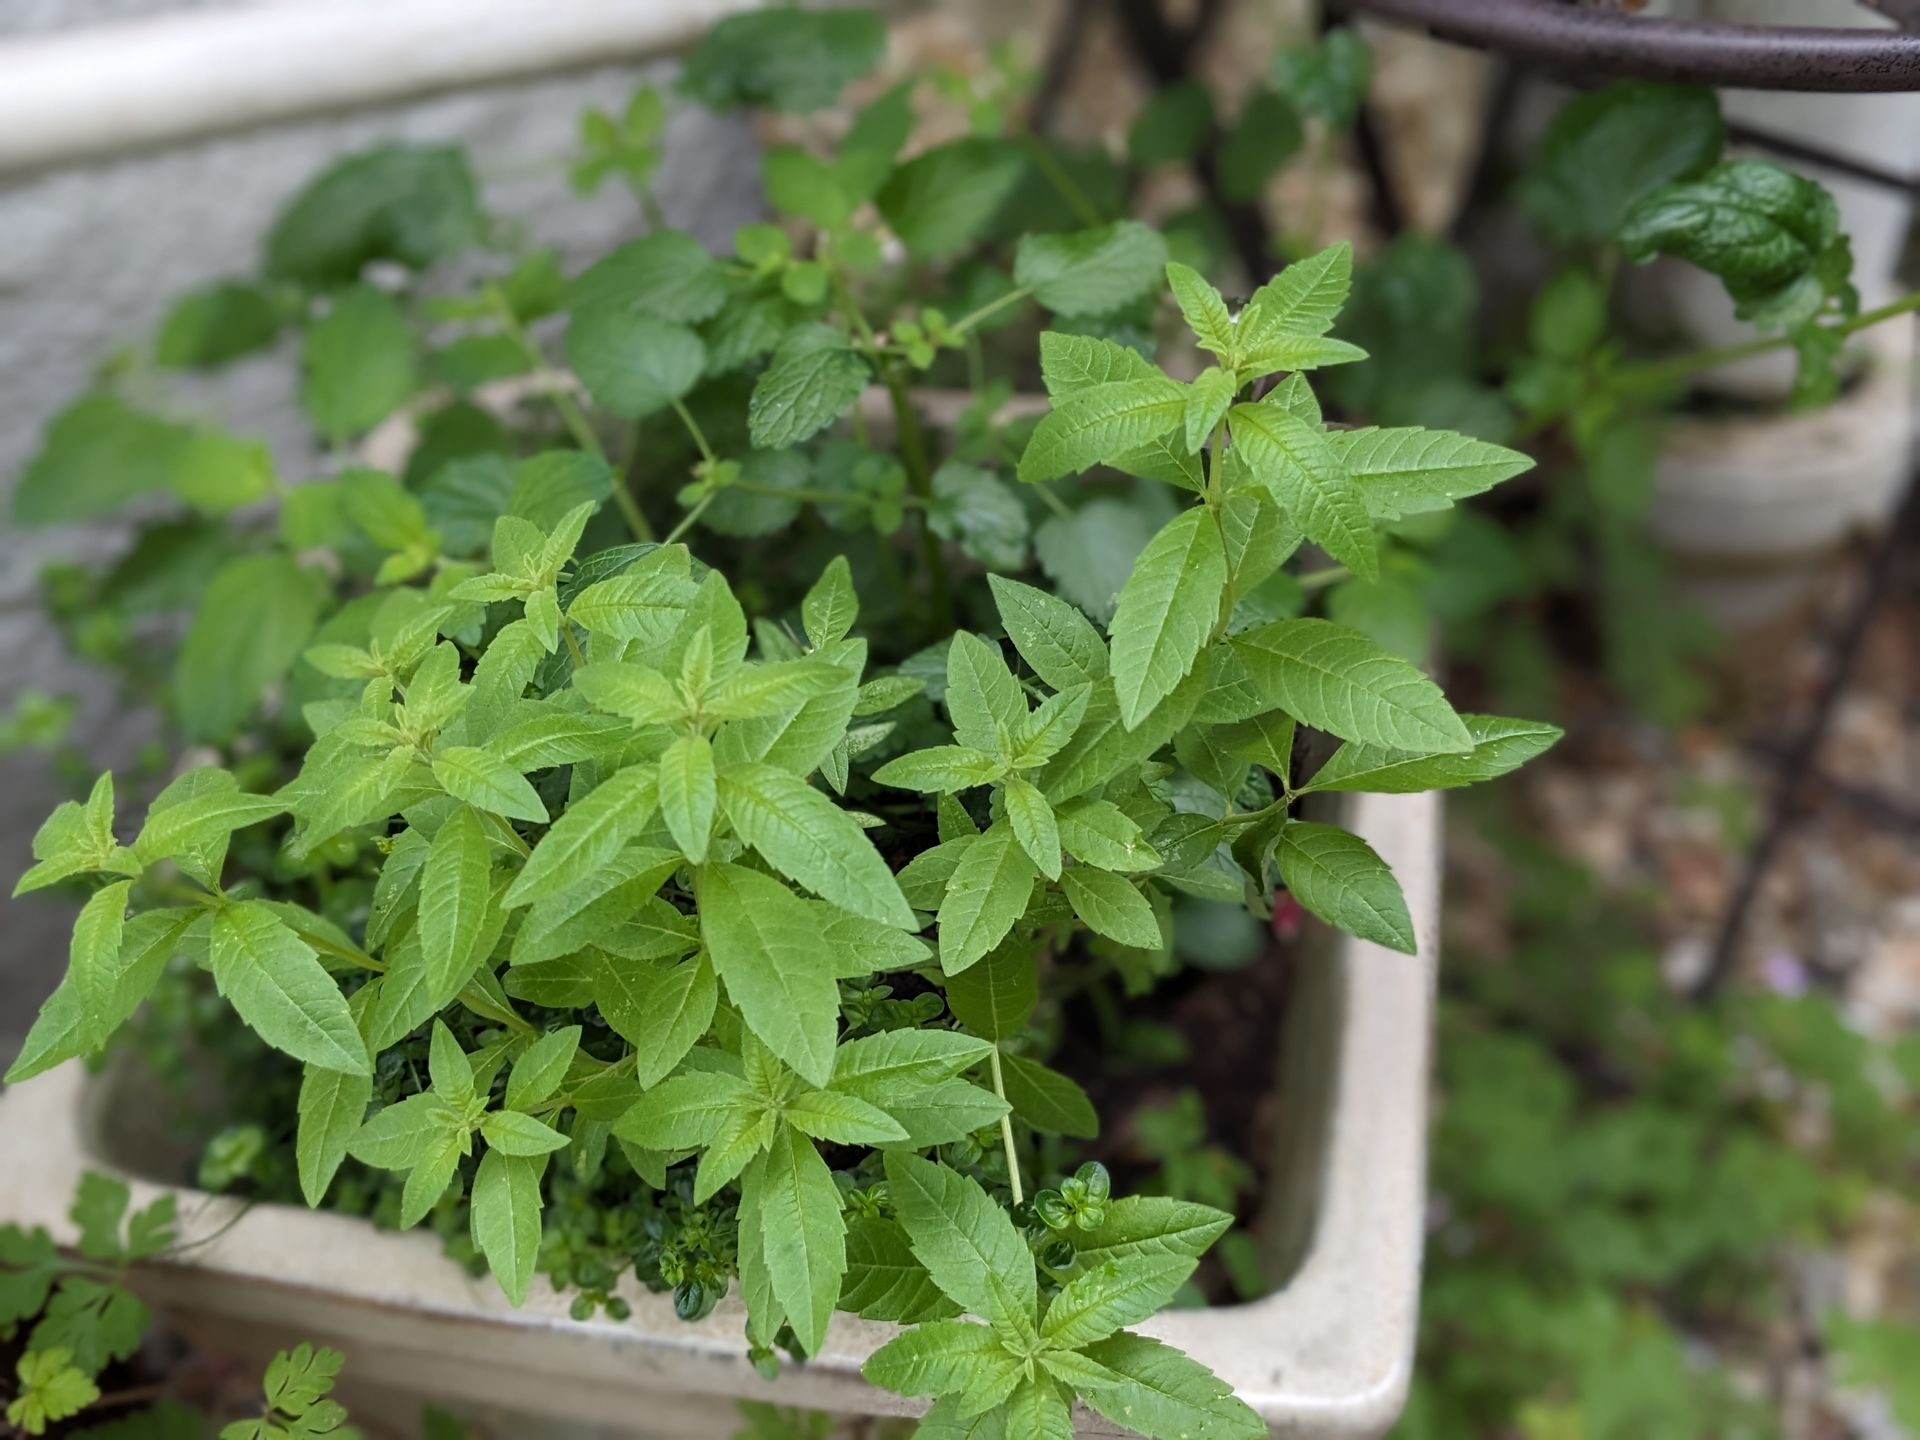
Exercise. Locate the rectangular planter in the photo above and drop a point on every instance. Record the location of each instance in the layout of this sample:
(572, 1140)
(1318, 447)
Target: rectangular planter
(1327, 1355)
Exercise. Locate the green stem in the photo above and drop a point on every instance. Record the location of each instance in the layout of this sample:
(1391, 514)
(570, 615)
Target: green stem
(693, 429)
(966, 322)
(913, 450)
(571, 414)
(1006, 1127)
(687, 520)
(1054, 502)
(815, 497)
(1319, 579)
(573, 645)
(1656, 374)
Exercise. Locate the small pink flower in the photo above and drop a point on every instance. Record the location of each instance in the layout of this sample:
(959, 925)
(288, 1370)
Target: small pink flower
(1288, 916)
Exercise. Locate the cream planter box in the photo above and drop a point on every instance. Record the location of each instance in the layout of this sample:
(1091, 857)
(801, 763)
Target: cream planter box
(1327, 1355)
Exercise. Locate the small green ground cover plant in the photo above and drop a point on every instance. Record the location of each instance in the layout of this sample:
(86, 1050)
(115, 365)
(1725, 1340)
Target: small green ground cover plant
(683, 900)
(1622, 1177)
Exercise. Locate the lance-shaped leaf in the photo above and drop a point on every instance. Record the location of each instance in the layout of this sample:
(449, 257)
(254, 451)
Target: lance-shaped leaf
(456, 890)
(1095, 425)
(789, 1195)
(276, 982)
(1166, 611)
(811, 840)
(765, 945)
(1406, 470)
(1337, 876)
(1297, 465)
(589, 834)
(1337, 680)
(1499, 746)
(987, 892)
(967, 1242)
(506, 1218)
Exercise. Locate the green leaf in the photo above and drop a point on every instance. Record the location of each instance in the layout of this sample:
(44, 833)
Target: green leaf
(1207, 403)
(506, 1219)
(413, 204)
(65, 1028)
(1152, 1389)
(1098, 832)
(684, 1112)
(1070, 364)
(1499, 746)
(1088, 272)
(1048, 1100)
(947, 1357)
(1166, 611)
(788, 59)
(1038, 1409)
(215, 324)
(790, 1194)
(841, 1119)
(811, 840)
(275, 982)
(940, 770)
(1302, 300)
(1102, 423)
(1410, 471)
(661, 1008)
(943, 199)
(983, 698)
(456, 892)
(815, 377)
(357, 364)
(665, 273)
(1052, 636)
(97, 454)
(1171, 127)
(330, 1109)
(967, 1242)
(51, 1390)
(831, 606)
(988, 892)
(1298, 466)
(943, 1421)
(633, 364)
(639, 692)
(1266, 134)
(1339, 681)
(1604, 151)
(1033, 825)
(1111, 906)
(253, 620)
(1328, 78)
(1338, 877)
(541, 1068)
(400, 1136)
(93, 959)
(512, 1133)
(557, 737)
(688, 796)
(1153, 1226)
(884, 1281)
(894, 1063)
(1760, 228)
(1051, 727)
(975, 509)
(763, 940)
(589, 834)
(996, 997)
(216, 472)
(487, 782)
(1102, 1299)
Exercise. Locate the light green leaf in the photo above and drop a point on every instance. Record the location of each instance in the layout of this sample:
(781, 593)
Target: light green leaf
(684, 1112)
(403, 1135)
(943, 198)
(1102, 1299)
(947, 1357)
(1097, 425)
(1154, 1390)
(815, 377)
(1209, 399)
(982, 695)
(589, 834)
(202, 818)
(1042, 735)
(831, 606)
(659, 1007)
(357, 363)
(456, 891)
(487, 782)
(639, 692)
(276, 983)
(1072, 363)
(506, 1219)
(512, 1133)
(1205, 311)
(791, 1194)
(644, 603)
(763, 940)
(1337, 876)
(1166, 611)
(331, 1106)
(883, 1067)
(667, 273)
(688, 795)
(1111, 906)
(1056, 639)
(1038, 1411)
(253, 620)
(968, 1243)
(1302, 300)
(1033, 825)
(884, 1280)
(1152, 1226)
(541, 1068)
(1088, 272)
(995, 998)
(1298, 467)
(1337, 680)
(940, 770)
(841, 1119)
(987, 893)
(1499, 746)
(1410, 471)
(93, 958)
(633, 364)
(811, 840)
(1098, 832)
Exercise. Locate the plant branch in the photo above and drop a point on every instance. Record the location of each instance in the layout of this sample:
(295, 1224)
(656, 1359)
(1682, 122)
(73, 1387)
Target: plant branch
(913, 451)
(1006, 1127)
(1655, 374)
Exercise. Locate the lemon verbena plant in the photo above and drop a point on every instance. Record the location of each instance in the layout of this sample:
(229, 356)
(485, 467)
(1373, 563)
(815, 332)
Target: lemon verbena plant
(716, 874)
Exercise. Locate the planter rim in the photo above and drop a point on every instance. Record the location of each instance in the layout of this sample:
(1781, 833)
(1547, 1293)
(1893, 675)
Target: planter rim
(1329, 1354)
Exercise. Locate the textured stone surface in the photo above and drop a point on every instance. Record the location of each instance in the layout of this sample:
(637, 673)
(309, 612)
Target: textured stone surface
(89, 258)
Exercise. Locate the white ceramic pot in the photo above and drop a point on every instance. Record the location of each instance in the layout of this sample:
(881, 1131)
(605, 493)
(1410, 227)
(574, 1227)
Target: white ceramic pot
(1328, 1355)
